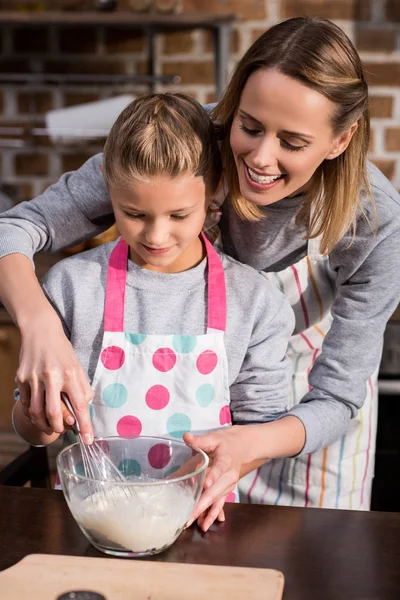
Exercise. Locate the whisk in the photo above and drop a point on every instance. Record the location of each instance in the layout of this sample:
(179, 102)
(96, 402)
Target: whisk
(102, 472)
(97, 464)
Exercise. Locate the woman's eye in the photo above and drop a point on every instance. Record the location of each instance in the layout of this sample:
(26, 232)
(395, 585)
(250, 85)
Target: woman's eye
(249, 131)
(291, 147)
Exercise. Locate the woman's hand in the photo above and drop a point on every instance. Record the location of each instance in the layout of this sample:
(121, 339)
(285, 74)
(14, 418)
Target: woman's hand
(49, 366)
(230, 455)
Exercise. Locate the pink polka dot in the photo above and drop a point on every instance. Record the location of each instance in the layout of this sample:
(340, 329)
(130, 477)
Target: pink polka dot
(159, 456)
(231, 497)
(206, 362)
(164, 359)
(104, 446)
(113, 357)
(157, 397)
(225, 415)
(129, 427)
(58, 480)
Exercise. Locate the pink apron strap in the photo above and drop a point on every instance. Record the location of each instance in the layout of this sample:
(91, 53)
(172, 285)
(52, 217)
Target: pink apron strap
(216, 289)
(116, 283)
(115, 288)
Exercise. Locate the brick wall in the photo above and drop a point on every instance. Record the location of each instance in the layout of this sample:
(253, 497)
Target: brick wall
(374, 26)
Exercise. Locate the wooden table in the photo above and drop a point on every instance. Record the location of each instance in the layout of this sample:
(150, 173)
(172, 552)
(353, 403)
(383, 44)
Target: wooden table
(324, 554)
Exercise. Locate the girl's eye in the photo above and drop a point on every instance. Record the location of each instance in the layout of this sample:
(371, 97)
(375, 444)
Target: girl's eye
(178, 217)
(136, 217)
(252, 132)
(290, 147)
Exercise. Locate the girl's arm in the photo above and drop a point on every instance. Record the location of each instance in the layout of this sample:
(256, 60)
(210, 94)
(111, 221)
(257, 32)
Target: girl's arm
(75, 208)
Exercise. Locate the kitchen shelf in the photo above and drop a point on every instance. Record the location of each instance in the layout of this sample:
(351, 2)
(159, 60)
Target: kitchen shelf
(151, 24)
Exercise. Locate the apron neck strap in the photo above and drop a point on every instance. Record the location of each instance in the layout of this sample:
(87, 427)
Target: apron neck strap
(116, 283)
(115, 288)
(216, 307)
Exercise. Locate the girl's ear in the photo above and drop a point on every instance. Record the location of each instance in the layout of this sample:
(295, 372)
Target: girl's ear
(341, 142)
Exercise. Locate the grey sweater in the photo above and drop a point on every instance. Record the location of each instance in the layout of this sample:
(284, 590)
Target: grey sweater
(259, 321)
(368, 281)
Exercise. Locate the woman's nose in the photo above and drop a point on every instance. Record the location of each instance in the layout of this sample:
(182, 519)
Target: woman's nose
(265, 153)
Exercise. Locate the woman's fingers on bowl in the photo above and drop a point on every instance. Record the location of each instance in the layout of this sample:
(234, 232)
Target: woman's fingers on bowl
(219, 490)
(207, 519)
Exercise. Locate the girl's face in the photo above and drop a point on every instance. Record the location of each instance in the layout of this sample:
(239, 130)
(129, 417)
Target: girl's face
(161, 221)
(280, 134)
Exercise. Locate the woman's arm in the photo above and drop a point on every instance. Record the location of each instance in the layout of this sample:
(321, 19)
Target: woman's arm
(237, 450)
(368, 291)
(73, 209)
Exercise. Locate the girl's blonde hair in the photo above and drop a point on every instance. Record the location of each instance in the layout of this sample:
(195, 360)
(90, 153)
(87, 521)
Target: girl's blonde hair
(162, 134)
(318, 54)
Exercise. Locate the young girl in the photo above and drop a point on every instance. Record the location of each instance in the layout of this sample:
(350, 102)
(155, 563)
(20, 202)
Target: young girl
(296, 124)
(154, 316)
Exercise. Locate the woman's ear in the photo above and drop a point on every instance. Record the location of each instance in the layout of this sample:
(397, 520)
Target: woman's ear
(101, 168)
(341, 142)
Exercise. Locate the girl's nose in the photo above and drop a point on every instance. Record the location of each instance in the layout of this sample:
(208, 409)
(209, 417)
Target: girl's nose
(156, 234)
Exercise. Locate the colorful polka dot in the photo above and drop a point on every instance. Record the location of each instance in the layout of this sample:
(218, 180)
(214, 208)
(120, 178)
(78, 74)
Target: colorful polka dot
(135, 338)
(113, 357)
(184, 343)
(104, 446)
(231, 497)
(129, 427)
(178, 424)
(206, 362)
(164, 359)
(225, 415)
(80, 469)
(115, 395)
(205, 395)
(159, 456)
(172, 470)
(129, 467)
(91, 411)
(157, 397)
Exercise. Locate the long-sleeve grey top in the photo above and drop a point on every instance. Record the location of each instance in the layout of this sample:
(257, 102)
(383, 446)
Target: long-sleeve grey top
(260, 321)
(368, 281)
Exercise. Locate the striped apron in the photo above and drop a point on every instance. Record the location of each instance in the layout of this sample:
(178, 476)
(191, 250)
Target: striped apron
(339, 476)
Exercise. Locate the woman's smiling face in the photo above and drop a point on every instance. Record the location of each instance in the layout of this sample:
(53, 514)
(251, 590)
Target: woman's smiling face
(280, 134)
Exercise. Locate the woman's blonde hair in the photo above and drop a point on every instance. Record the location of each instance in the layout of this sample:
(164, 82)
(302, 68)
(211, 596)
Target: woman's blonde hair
(318, 54)
(162, 134)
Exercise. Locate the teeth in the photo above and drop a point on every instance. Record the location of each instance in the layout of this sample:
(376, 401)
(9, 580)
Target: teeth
(262, 178)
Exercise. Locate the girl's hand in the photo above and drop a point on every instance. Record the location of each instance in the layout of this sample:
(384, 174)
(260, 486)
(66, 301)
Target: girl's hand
(49, 366)
(229, 453)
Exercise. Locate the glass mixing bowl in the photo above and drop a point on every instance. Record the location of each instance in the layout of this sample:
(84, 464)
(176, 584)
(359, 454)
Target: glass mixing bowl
(147, 513)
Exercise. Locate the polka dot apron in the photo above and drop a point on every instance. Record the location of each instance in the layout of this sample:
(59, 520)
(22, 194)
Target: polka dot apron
(161, 385)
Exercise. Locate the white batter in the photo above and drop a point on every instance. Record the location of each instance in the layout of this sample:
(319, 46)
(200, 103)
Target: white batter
(120, 519)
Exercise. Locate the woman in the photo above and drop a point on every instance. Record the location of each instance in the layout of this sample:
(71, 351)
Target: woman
(302, 208)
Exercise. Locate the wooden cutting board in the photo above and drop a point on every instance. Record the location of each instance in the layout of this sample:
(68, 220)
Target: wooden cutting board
(45, 577)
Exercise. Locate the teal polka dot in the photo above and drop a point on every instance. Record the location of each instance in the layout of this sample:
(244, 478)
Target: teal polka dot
(130, 466)
(205, 395)
(172, 470)
(91, 412)
(184, 343)
(178, 424)
(80, 469)
(115, 395)
(135, 338)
